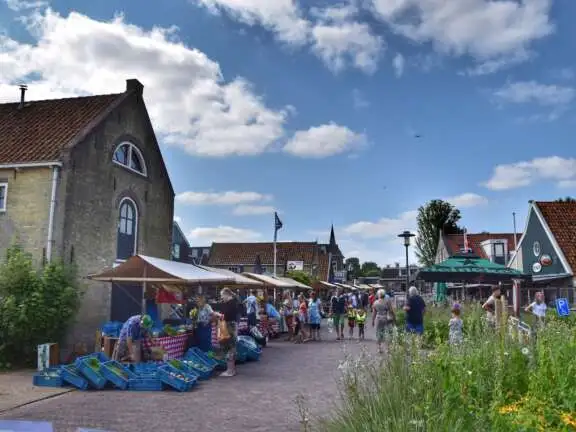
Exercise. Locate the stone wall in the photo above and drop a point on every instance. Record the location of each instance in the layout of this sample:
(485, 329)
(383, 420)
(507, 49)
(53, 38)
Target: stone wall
(25, 220)
(92, 194)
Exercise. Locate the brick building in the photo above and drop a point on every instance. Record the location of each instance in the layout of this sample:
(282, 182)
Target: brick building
(319, 260)
(83, 179)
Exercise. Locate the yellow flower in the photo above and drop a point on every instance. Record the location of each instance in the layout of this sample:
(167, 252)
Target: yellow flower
(507, 409)
(569, 419)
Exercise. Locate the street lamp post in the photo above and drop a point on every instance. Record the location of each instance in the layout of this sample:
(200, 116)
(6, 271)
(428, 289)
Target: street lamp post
(406, 235)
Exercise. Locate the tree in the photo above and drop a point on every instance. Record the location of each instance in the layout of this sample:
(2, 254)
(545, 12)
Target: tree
(434, 217)
(370, 269)
(566, 200)
(352, 265)
(300, 276)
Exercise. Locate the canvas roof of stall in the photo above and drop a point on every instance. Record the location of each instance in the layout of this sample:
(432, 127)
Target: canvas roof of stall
(469, 268)
(270, 280)
(363, 286)
(350, 287)
(141, 268)
(328, 284)
(238, 278)
(295, 282)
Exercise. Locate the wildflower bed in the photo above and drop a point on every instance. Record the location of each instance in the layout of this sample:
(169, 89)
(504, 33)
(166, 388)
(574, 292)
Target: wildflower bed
(491, 382)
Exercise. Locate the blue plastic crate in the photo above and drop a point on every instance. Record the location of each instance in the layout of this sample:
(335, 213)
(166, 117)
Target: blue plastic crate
(145, 384)
(192, 367)
(201, 361)
(120, 379)
(72, 376)
(112, 328)
(166, 374)
(197, 354)
(48, 378)
(145, 368)
(94, 376)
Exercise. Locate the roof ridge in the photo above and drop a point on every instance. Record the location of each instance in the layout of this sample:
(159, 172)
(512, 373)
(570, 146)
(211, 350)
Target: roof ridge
(61, 99)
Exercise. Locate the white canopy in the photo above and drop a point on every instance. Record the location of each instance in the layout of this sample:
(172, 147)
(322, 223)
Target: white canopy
(271, 280)
(140, 268)
(238, 278)
(349, 287)
(328, 284)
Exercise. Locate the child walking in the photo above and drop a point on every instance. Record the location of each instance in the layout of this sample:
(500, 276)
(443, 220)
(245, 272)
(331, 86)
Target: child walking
(361, 321)
(455, 335)
(351, 320)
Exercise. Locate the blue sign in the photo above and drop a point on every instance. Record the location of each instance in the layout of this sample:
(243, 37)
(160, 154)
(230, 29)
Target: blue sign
(562, 307)
(25, 426)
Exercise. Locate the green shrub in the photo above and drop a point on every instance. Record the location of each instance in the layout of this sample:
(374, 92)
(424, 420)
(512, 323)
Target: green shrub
(36, 307)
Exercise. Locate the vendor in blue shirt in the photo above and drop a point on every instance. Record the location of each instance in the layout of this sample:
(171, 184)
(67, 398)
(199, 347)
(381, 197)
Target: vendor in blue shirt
(129, 346)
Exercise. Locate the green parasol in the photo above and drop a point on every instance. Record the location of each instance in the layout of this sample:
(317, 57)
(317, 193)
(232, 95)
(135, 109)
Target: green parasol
(469, 269)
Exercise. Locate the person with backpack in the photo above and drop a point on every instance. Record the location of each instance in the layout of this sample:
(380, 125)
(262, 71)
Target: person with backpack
(338, 312)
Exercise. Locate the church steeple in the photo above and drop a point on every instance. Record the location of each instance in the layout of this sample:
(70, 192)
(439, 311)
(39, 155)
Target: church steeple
(332, 236)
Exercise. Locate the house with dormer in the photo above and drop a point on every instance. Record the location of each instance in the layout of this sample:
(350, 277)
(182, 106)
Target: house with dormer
(497, 247)
(547, 250)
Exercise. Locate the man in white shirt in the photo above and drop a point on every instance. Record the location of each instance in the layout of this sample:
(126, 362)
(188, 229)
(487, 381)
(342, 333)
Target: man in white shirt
(490, 305)
(252, 309)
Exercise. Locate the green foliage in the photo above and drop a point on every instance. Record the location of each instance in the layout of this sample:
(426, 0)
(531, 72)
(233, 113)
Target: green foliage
(566, 200)
(434, 217)
(492, 382)
(356, 270)
(300, 276)
(35, 306)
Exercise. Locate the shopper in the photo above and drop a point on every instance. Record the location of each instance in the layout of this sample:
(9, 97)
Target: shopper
(361, 321)
(302, 320)
(288, 314)
(229, 310)
(252, 309)
(383, 317)
(314, 316)
(415, 309)
(204, 315)
(129, 346)
(338, 312)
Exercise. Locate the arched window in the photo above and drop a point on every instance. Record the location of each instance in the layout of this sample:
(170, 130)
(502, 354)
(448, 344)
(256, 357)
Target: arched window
(130, 157)
(127, 229)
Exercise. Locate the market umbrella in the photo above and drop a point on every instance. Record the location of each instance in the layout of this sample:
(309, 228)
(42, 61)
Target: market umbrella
(469, 269)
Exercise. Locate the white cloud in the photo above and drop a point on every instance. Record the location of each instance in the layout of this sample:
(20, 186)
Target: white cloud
(483, 29)
(523, 92)
(382, 253)
(382, 228)
(467, 200)
(322, 141)
(21, 5)
(190, 103)
(335, 35)
(221, 198)
(398, 64)
(553, 168)
(252, 210)
(338, 40)
(178, 219)
(222, 234)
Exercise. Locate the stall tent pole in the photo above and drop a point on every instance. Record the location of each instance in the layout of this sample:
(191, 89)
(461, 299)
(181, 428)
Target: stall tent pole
(144, 292)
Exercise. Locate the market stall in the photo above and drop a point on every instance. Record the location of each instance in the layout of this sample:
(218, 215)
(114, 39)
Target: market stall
(165, 277)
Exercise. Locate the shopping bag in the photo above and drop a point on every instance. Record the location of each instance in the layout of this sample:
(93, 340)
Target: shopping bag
(223, 334)
(330, 325)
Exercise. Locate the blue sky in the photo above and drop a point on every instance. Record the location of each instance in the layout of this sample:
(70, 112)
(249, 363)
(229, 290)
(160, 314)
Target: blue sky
(314, 110)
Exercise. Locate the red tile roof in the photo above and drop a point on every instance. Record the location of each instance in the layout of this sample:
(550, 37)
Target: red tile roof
(41, 129)
(222, 254)
(561, 218)
(455, 242)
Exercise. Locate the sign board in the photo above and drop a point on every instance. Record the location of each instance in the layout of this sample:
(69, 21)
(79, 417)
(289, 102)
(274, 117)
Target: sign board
(340, 276)
(295, 265)
(562, 307)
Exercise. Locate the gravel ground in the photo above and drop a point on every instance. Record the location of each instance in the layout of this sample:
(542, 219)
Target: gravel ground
(260, 398)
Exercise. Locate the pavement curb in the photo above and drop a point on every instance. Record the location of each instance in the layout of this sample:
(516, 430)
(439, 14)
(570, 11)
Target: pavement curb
(43, 398)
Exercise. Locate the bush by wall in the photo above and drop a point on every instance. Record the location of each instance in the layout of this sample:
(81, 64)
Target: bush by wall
(36, 306)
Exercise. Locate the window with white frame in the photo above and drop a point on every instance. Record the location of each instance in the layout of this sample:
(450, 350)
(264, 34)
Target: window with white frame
(499, 249)
(130, 157)
(3, 196)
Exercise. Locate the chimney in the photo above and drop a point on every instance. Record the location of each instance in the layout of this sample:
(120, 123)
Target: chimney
(133, 85)
(23, 88)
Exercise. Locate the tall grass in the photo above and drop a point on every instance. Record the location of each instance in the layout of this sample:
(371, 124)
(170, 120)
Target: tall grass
(491, 382)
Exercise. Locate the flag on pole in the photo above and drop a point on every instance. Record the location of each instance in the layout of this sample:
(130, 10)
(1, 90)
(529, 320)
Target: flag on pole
(277, 222)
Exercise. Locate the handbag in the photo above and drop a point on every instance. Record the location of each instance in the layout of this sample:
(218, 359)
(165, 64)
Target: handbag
(223, 333)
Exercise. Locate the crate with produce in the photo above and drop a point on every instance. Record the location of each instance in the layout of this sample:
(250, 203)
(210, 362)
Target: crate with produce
(50, 377)
(176, 378)
(117, 374)
(89, 367)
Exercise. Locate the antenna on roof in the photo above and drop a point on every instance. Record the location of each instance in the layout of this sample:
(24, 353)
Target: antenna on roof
(23, 88)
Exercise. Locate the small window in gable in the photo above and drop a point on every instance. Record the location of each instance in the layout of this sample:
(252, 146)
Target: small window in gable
(3, 194)
(129, 156)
